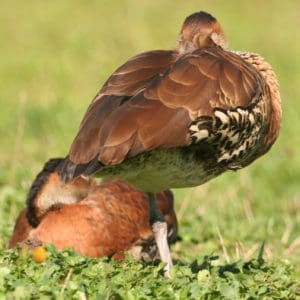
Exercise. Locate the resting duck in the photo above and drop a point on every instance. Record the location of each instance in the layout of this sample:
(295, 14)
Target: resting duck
(105, 219)
(178, 118)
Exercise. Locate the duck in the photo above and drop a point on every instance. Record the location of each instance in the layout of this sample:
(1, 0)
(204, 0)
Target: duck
(109, 218)
(178, 118)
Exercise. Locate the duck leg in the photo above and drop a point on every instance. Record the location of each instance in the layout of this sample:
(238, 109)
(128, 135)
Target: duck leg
(160, 230)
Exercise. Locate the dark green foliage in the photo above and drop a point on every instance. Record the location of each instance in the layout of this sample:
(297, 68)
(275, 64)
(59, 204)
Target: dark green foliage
(67, 275)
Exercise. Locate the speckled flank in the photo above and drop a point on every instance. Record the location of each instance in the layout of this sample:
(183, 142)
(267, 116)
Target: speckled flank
(235, 132)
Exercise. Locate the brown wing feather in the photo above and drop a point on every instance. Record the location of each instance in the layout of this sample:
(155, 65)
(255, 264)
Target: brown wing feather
(126, 81)
(141, 125)
(206, 79)
(159, 115)
(134, 75)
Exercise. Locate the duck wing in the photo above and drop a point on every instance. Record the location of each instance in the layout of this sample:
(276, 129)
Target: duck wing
(145, 108)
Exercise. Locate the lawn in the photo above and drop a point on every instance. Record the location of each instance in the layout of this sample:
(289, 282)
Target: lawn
(54, 56)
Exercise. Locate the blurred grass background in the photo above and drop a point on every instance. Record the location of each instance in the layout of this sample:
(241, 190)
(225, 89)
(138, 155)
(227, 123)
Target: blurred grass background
(55, 55)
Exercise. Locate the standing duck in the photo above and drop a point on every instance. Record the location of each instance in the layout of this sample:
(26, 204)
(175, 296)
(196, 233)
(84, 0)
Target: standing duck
(178, 118)
(105, 219)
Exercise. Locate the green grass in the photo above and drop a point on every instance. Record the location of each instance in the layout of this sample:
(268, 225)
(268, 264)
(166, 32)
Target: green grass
(54, 56)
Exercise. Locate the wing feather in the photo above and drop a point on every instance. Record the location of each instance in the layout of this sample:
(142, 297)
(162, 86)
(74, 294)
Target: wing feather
(151, 100)
(125, 82)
